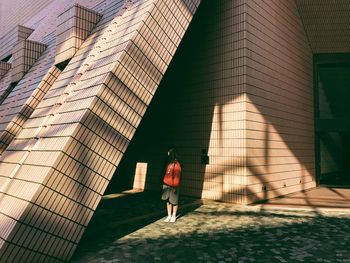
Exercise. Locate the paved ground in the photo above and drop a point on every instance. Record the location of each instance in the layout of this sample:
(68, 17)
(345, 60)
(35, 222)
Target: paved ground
(124, 231)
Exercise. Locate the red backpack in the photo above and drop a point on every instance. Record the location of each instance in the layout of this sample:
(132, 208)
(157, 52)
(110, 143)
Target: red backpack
(173, 174)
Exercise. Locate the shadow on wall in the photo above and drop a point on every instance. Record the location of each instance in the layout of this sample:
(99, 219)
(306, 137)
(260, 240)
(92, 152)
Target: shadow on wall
(149, 145)
(191, 104)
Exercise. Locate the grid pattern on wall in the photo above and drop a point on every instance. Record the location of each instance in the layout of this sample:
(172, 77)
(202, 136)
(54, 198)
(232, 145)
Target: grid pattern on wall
(212, 111)
(15, 35)
(326, 24)
(25, 53)
(17, 107)
(73, 26)
(19, 99)
(69, 148)
(5, 85)
(18, 12)
(45, 21)
(240, 91)
(199, 109)
(280, 126)
(4, 67)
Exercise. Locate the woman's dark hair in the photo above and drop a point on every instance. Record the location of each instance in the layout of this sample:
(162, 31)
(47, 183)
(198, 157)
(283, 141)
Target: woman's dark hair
(172, 154)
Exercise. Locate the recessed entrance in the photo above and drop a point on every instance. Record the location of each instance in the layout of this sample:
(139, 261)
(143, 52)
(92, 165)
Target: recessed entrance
(332, 119)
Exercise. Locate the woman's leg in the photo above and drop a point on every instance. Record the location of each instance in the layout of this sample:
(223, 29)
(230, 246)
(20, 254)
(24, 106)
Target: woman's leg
(173, 216)
(168, 208)
(174, 210)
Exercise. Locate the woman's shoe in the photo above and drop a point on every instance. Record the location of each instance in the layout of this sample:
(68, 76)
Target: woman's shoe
(167, 219)
(172, 219)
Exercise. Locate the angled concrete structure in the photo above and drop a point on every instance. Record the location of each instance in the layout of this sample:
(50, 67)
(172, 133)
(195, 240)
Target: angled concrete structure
(16, 109)
(70, 146)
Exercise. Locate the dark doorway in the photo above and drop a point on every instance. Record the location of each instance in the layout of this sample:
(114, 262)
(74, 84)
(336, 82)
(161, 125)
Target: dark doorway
(332, 119)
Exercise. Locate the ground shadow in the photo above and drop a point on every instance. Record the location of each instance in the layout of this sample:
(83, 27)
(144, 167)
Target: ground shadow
(121, 214)
(234, 236)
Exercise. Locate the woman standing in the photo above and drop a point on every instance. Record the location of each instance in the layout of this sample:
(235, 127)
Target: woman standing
(171, 184)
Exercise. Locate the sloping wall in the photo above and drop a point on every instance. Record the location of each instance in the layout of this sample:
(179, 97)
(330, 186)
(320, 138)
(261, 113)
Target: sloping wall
(55, 170)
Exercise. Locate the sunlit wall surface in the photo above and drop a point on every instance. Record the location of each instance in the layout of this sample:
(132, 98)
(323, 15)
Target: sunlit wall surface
(67, 125)
(280, 118)
(239, 95)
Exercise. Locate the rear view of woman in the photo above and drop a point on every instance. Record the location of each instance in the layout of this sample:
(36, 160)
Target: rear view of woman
(171, 184)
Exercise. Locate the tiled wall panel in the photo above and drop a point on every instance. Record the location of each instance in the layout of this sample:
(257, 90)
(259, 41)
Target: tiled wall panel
(5, 86)
(200, 105)
(4, 67)
(18, 12)
(79, 131)
(280, 125)
(25, 53)
(73, 26)
(240, 90)
(18, 107)
(326, 24)
(16, 34)
(21, 99)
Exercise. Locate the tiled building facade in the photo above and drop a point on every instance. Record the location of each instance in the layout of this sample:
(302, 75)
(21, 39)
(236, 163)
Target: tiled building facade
(239, 90)
(93, 91)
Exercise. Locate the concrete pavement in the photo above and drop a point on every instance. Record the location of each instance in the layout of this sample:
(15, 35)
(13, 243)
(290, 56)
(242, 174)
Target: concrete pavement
(130, 228)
